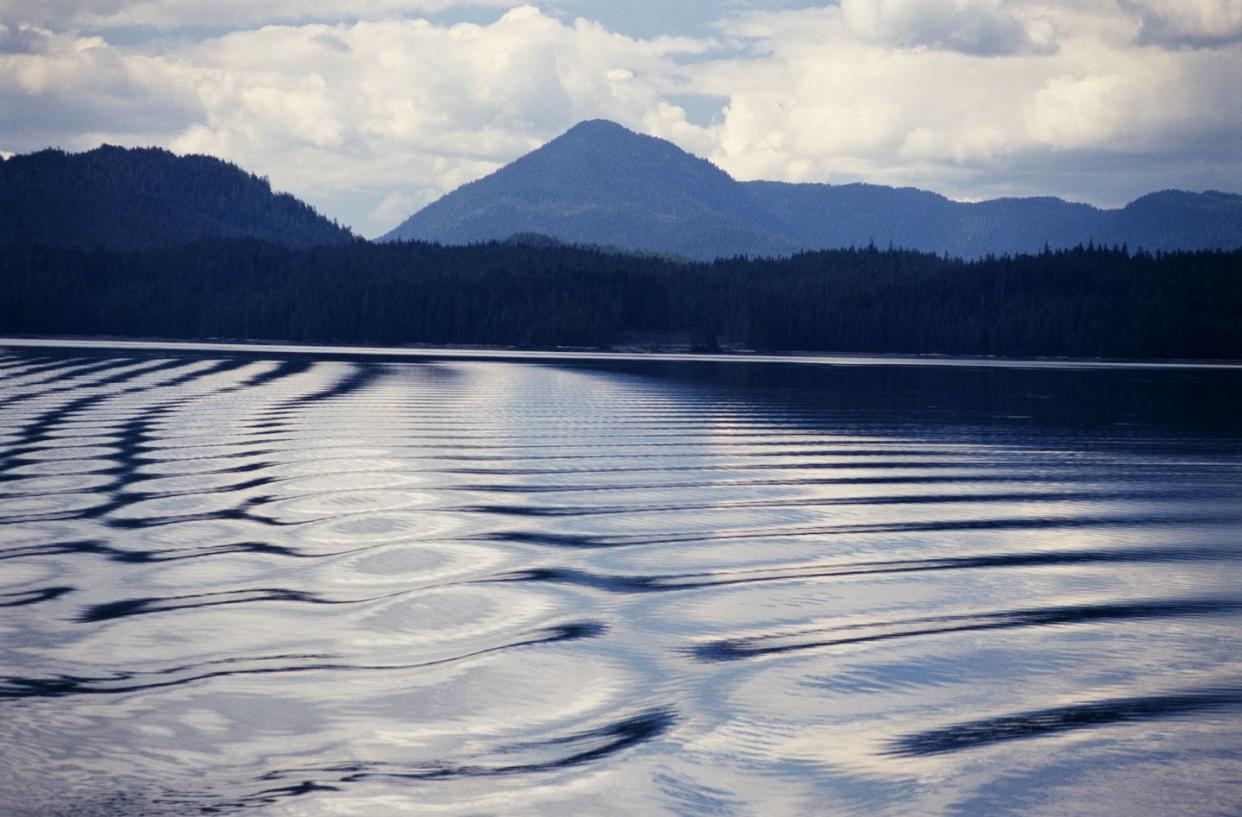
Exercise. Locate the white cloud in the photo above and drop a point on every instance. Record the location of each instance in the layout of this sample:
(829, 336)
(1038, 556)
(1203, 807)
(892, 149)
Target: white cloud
(980, 27)
(855, 94)
(234, 13)
(394, 208)
(23, 39)
(369, 120)
(55, 87)
(405, 105)
(1189, 22)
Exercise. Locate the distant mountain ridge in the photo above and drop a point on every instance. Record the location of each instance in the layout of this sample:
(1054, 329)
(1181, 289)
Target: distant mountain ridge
(130, 198)
(600, 183)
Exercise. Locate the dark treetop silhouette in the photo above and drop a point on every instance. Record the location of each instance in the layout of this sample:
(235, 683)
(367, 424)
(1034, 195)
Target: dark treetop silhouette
(144, 243)
(1081, 302)
(122, 198)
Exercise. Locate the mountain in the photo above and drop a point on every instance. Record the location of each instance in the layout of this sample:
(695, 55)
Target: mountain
(823, 216)
(122, 198)
(600, 183)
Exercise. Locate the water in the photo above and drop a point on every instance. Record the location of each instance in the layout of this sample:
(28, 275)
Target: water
(310, 584)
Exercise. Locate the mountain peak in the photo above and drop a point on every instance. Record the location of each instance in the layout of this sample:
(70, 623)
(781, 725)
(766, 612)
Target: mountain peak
(589, 127)
(622, 149)
(601, 183)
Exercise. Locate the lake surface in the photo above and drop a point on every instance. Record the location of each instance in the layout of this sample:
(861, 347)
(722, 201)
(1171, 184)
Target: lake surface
(310, 584)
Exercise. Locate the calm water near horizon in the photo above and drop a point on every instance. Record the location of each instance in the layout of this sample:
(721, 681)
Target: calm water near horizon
(277, 583)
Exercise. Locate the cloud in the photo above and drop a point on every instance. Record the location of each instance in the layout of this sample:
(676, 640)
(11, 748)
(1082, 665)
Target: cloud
(23, 39)
(981, 27)
(1090, 114)
(166, 14)
(1195, 23)
(395, 207)
(348, 115)
(54, 85)
(370, 119)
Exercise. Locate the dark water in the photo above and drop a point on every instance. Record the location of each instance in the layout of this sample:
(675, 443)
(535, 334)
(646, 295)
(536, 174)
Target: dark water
(309, 585)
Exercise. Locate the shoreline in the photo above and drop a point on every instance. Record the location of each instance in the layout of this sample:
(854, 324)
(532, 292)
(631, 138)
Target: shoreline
(416, 352)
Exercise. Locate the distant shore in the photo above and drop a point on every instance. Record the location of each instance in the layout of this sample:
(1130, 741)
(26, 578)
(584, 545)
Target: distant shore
(569, 353)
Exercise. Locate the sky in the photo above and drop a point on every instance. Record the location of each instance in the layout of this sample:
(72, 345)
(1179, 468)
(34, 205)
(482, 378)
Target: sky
(370, 109)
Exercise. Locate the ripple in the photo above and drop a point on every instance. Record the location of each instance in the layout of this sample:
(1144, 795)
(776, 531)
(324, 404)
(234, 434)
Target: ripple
(339, 503)
(510, 691)
(24, 574)
(205, 465)
(50, 504)
(867, 632)
(423, 562)
(1045, 722)
(378, 527)
(348, 481)
(125, 682)
(298, 581)
(64, 467)
(59, 484)
(180, 506)
(559, 752)
(154, 452)
(125, 608)
(191, 483)
(338, 465)
(451, 614)
(39, 533)
(194, 534)
(85, 441)
(71, 454)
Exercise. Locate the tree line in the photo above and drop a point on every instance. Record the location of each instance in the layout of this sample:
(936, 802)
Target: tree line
(129, 198)
(1087, 301)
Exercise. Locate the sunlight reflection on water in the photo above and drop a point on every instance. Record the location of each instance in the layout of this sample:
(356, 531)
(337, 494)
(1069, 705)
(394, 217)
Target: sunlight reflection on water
(302, 585)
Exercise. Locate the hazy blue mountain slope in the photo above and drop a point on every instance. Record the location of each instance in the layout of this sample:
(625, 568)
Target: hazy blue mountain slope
(602, 184)
(824, 216)
(120, 198)
(1176, 220)
(599, 183)
(820, 215)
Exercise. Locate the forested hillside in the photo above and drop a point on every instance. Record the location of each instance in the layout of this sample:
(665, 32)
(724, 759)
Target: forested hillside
(119, 198)
(1079, 302)
(600, 183)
